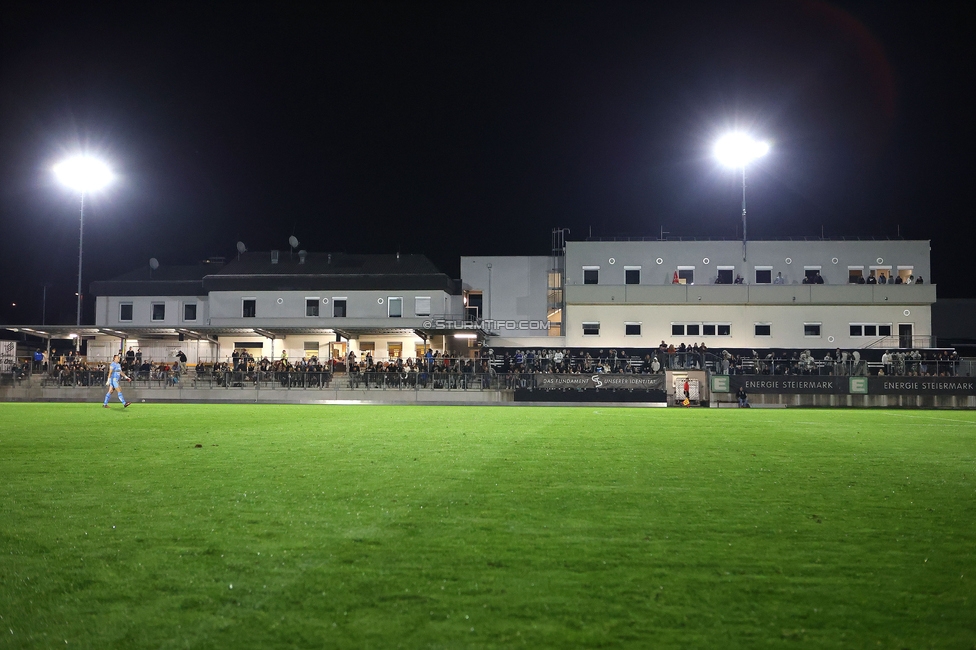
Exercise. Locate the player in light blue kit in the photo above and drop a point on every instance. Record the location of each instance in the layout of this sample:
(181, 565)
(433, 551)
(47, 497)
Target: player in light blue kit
(114, 375)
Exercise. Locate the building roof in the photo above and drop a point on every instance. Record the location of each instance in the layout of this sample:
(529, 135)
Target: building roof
(292, 272)
(164, 281)
(329, 271)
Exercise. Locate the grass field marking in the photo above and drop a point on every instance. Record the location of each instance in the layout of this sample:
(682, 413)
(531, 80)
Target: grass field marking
(928, 417)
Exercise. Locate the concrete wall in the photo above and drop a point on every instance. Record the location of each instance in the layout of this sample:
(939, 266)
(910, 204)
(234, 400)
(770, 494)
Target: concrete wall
(514, 290)
(363, 308)
(107, 311)
(613, 257)
(786, 324)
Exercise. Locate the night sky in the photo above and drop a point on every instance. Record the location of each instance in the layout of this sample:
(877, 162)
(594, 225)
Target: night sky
(459, 128)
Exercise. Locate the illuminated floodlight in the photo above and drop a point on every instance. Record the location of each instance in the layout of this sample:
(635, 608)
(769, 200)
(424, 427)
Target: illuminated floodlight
(738, 149)
(83, 174)
(466, 336)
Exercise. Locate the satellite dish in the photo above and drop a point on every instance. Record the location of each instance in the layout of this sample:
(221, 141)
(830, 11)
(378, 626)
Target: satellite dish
(153, 263)
(241, 248)
(293, 241)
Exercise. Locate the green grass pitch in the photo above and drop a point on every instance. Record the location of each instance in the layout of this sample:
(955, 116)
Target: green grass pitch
(260, 526)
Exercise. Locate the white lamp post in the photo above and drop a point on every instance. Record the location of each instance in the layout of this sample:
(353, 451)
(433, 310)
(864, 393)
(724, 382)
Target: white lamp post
(83, 175)
(737, 150)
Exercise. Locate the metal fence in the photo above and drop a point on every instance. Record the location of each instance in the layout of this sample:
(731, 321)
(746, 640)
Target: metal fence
(323, 380)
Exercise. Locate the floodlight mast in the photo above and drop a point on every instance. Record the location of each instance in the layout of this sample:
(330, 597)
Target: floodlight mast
(84, 175)
(736, 150)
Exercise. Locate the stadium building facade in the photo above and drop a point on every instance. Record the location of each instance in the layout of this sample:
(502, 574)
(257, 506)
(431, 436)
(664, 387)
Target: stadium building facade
(586, 294)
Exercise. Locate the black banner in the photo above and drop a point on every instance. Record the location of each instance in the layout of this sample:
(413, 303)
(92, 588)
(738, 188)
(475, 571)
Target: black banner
(921, 386)
(599, 381)
(789, 384)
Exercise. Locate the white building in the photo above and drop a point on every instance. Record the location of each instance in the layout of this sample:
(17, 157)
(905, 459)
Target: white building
(627, 294)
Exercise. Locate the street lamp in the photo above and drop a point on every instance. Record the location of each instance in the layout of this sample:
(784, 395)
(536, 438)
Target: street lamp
(83, 175)
(736, 150)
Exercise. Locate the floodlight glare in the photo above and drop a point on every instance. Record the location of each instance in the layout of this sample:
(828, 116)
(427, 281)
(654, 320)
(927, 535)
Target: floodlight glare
(83, 174)
(738, 149)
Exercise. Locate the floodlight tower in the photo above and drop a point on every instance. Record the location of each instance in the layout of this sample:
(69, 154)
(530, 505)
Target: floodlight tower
(83, 175)
(736, 150)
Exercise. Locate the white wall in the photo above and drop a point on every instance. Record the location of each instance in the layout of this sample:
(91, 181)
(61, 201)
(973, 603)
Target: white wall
(513, 289)
(786, 324)
(107, 311)
(612, 257)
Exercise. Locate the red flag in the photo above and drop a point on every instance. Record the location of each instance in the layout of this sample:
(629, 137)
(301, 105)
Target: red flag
(675, 280)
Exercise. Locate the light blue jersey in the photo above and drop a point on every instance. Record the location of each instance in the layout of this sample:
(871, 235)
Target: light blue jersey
(114, 373)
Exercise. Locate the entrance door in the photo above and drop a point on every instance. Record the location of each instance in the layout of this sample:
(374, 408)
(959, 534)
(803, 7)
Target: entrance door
(905, 337)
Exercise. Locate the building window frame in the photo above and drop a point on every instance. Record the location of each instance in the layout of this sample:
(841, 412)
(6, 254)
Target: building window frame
(591, 275)
(763, 330)
(813, 330)
(629, 272)
(729, 272)
(186, 306)
(157, 311)
(249, 307)
(418, 305)
(591, 328)
(340, 304)
(122, 306)
(396, 312)
(763, 269)
(632, 328)
(312, 305)
(686, 273)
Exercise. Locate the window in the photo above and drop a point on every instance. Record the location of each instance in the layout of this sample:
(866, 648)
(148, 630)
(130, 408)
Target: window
(189, 311)
(855, 274)
(725, 275)
(882, 271)
(811, 329)
(312, 307)
(632, 274)
(158, 311)
(338, 308)
(311, 347)
(686, 275)
(472, 306)
(685, 329)
(125, 311)
(422, 306)
(905, 272)
(367, 346)
(716, 329)
(632, 329)
(763, 329)
(591, 329)
(395, 307)
(870, 329)
(394, 350)
(249, 308)
(811, 273)
(764, 275)
(591, 275)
